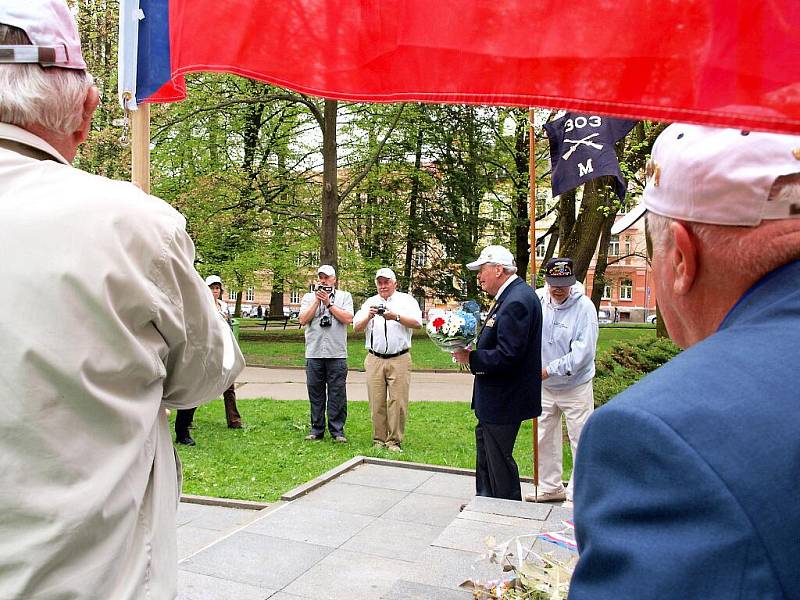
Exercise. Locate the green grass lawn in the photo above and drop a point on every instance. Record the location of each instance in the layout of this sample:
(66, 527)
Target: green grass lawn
(269, 456)
(279, 348)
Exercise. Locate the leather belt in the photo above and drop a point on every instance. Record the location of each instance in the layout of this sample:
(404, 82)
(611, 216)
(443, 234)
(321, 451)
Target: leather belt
(379, 355)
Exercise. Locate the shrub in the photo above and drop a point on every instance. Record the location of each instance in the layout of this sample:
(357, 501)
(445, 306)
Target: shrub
(627, 362)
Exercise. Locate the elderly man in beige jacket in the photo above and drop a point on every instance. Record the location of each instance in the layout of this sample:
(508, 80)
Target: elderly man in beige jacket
(111, 326)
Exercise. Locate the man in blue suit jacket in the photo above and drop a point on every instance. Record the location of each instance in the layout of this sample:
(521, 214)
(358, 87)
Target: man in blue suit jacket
(687, 483)
(507, 367)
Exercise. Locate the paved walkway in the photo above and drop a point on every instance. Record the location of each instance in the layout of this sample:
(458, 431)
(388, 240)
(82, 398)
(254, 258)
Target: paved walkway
(372, 530)
(290, 384)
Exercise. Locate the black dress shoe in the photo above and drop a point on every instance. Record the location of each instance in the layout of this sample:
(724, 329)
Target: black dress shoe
(186, 440)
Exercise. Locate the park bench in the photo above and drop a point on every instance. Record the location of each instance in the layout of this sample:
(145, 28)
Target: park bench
(275, 320)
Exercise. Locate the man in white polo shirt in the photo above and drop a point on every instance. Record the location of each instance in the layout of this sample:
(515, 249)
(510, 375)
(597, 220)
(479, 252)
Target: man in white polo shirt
(388, 320)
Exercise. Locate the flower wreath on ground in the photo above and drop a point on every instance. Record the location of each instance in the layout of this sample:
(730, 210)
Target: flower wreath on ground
(456, 329)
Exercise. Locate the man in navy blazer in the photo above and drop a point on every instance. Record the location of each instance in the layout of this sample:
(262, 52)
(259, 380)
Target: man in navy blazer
(507, 367)
(687, 483)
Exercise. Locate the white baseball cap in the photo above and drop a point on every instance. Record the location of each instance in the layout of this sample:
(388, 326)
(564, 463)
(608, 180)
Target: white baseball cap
(326, 270)
(717, 176)
(385, 272)
(51, 29)
(213, 279)
(496, 255)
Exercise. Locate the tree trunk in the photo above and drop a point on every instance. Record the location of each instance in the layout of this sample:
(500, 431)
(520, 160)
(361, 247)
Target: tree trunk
(581, 240)
(413, 235)
(522, 224)
(276, 298)
(329, 253)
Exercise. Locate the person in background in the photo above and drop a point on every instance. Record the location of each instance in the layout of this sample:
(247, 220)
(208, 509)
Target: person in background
(388, 320)
(687, 481)
(184, 417)
(116, 328)
(326, 312)
(504, 392)
(569, 344)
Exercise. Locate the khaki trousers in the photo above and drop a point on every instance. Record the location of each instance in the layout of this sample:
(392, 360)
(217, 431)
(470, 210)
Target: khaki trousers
(388, 383)
(576, 404)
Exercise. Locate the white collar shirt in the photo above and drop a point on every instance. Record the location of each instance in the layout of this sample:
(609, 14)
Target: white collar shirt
(505, 285)
(389, 337)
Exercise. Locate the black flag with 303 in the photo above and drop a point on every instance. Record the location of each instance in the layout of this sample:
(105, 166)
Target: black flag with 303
(582, 148)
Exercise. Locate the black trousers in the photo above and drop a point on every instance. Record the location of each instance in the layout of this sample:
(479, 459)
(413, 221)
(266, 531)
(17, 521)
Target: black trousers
(496, 472)
(183, 418)
(326, 379)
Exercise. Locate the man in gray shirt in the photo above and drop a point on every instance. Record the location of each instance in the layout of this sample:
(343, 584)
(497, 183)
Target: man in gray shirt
(326, 312)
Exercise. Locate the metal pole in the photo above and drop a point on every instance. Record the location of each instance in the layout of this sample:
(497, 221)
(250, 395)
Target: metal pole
(140, 147)
(532, 262)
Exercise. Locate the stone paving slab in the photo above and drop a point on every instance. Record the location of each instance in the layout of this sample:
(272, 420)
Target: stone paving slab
(194, 586)
(345, 575)
(355, 499)
(425, 509)
(257, 560)
(312, 525)
(394, 539)
(445, 484)
(387, 477)
(216, 518)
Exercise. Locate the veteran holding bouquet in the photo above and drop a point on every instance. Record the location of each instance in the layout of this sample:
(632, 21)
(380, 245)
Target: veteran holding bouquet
(507, 365)
(388, 320)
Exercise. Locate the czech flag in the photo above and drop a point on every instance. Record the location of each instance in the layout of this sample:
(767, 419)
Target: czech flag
(704, 61)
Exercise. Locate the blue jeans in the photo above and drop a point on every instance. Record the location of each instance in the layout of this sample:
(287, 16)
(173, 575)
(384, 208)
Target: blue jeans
(326, 379)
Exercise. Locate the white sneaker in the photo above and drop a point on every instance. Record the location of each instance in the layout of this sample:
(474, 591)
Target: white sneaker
(557, 495)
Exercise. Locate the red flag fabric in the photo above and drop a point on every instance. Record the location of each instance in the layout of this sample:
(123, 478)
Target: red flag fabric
(704, 61)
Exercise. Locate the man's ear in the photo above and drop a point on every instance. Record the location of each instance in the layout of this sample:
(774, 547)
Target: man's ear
(89, 106)
(683, 258)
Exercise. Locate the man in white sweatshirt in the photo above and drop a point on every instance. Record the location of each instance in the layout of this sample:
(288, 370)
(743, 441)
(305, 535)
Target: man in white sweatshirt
(569, 343)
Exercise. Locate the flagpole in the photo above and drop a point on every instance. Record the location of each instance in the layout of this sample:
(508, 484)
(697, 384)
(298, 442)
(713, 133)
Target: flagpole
(532, 262)
(140, 147)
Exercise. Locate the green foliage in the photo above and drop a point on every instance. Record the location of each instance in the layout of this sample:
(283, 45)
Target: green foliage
(627, 362)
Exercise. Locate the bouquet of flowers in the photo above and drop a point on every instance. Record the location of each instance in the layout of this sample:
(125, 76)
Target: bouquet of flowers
(454, 329)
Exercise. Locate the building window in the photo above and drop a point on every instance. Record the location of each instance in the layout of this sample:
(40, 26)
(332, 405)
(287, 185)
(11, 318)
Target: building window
(613, 246)
(606, 292)
(626, 289)
(294, 296)
(540, 250)
(419, 258)
(250, 295)
(232, 295)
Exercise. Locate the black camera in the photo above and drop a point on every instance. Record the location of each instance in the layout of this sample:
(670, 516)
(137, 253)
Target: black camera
(323, 288)
(380, 309)
(325, 321)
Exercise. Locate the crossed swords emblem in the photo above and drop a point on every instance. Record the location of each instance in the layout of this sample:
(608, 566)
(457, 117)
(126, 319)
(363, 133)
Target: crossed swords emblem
(583, 141)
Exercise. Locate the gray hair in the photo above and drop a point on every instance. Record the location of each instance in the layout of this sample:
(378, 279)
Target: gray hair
(757, 250)
(509, 270)
(51, 97)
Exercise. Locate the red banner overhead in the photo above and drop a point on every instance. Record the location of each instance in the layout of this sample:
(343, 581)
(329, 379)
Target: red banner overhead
(704, 61)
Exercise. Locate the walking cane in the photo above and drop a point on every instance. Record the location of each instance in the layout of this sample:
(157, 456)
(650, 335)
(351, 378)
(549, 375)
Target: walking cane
(535, 430)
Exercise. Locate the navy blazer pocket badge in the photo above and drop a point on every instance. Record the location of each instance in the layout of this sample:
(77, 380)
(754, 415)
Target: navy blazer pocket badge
(490, 322)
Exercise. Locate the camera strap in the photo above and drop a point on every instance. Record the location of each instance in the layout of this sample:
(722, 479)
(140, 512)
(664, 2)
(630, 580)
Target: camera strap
(385, 334)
